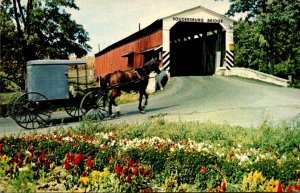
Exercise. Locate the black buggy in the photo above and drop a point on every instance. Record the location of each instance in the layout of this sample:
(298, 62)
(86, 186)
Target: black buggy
(52, 85)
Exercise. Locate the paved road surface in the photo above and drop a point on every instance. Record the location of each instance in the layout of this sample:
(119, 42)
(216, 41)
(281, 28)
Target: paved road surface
(208, 98)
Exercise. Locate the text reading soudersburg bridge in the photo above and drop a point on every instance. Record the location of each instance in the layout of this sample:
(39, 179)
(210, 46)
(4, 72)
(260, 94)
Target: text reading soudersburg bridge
(200, 20)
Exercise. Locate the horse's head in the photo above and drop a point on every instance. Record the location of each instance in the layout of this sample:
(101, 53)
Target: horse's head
(152, 65)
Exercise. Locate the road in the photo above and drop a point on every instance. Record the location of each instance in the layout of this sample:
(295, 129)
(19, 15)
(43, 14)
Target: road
(215, 99)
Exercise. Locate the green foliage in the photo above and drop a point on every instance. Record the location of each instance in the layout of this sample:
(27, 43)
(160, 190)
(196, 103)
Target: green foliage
(268, 39)
(210, 178)
(251, 7)
(36, 29)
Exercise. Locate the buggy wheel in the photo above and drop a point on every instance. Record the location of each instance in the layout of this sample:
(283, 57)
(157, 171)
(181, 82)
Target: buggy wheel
(93, 106)
(12, 101)
(74, 111)
(31, 110)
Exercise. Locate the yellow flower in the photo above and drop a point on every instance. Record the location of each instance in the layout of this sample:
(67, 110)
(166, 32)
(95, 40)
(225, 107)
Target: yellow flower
(270, 186)
(52, 166)
(83, 180)
(5, 158)
(252, 181)
(183, 188)
(105, 171)
(95, 174)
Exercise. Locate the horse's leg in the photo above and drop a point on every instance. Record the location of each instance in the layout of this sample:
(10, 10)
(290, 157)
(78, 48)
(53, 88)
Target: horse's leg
(117, 107)
(140, 102)
(146, 99)
(111, 99)
(114, 94)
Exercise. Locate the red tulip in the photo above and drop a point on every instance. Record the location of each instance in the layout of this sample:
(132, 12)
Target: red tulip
(297, 186)
(223, 186)
(1, 147)
(290, 188)
(89, 162)
(203, 170)
(118, 170)
(20, 162)
(280, 187)
(143, 171)
(128, 179)
(20, 155)
(269, 148)
(69, 157)
(110, 160)
(41, 157)
(130, 162)
(135, 171)
(46, 163)
(67, 165)
(77, 159)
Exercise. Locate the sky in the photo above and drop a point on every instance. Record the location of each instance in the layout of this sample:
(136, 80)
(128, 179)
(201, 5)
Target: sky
(108, 21)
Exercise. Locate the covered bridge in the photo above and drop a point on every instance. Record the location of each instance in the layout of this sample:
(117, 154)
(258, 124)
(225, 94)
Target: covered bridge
(193, 42)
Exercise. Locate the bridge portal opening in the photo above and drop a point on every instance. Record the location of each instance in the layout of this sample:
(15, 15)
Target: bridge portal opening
(196, 48)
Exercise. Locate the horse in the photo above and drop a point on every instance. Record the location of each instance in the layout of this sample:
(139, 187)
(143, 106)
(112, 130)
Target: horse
(129, 80)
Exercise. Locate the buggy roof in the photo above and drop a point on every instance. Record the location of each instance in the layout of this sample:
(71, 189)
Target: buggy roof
(55, 62)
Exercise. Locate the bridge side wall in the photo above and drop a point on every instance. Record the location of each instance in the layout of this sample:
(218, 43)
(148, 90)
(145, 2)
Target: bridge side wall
(253, 74)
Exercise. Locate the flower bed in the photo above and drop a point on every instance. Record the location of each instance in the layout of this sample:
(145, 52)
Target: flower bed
(82, 160)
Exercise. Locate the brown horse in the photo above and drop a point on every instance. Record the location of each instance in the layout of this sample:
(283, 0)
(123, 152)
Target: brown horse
(130, 80)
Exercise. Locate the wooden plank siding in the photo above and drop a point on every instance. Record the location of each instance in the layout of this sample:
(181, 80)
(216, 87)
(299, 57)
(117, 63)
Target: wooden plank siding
(113, 60)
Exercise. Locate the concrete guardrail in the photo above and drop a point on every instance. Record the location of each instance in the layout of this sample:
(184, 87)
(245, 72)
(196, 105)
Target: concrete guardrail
(252, 74)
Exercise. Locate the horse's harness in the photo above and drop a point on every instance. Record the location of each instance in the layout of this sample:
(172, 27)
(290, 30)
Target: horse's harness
(140, 78)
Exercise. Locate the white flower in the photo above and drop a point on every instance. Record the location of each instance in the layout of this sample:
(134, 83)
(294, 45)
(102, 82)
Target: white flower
(242, 157)
(112, 143)
(172, 149)
(68, 139)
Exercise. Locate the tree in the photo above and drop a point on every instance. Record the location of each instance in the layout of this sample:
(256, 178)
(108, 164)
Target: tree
(37, 29)
(268, 39)
(251, 7)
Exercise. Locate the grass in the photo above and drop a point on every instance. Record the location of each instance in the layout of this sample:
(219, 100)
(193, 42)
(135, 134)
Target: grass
(281, 137)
